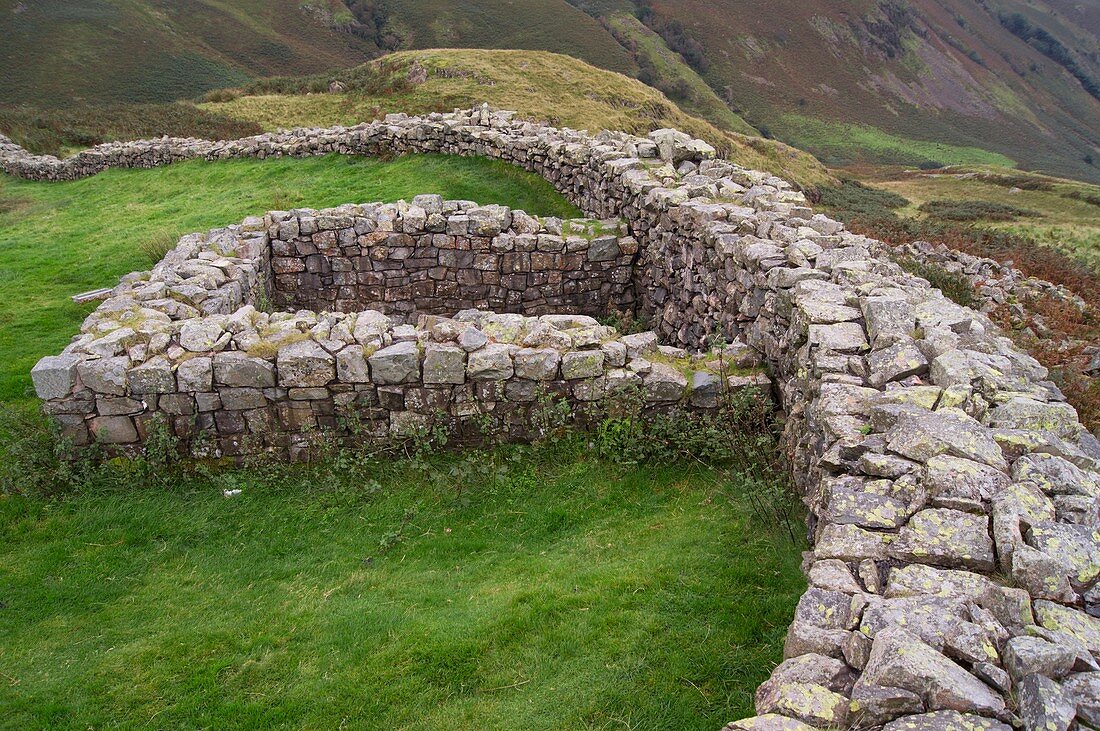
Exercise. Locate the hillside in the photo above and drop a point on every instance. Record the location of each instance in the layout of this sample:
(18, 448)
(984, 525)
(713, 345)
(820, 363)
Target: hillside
(912, 82)
(539, 85)
(161, 50)
(832, 75)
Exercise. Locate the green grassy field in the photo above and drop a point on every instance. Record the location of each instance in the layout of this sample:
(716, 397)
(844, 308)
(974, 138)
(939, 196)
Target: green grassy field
(1069, 219)
(523, 588)
(59, 239)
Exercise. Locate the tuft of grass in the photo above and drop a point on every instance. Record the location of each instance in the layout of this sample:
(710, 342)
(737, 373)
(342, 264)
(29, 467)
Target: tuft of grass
(529, 587)
(157, 246)
(75, 236)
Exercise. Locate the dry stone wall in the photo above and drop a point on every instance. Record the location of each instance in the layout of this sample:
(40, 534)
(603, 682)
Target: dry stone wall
(185, 345)
(952, 493)
(437, 257)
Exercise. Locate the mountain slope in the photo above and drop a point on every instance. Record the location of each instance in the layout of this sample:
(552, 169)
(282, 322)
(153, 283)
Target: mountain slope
(56, 52)
(947, 71)
(536, 25)
(59, 51)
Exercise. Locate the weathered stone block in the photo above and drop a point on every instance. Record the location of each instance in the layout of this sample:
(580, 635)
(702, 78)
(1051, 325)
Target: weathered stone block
(491, 363)
(54, 376)
(398, 363)
(537, 364)
(444, 364)
(241, 370)
(305, 364)
(154, 376)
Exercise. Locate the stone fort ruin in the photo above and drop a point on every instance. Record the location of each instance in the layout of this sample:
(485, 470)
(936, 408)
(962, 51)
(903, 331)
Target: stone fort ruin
(951, 490)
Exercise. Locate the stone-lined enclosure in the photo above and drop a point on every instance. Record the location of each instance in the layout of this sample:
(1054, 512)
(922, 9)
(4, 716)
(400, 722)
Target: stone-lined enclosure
(952, 492)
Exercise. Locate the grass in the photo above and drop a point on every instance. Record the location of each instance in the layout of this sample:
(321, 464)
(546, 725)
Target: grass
(539, 85)
(839, 143)
(60, 239)
(1069, 220)
(524, 588)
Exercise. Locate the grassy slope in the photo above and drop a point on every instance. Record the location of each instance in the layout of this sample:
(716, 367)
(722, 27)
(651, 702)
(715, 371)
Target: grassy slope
(554, 592)
(152, 51)
(539, 85)
(1067, 223)
(58, 239)
(841, 143)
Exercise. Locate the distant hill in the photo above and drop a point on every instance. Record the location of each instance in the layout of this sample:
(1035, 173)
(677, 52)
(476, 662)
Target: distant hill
(55, 51)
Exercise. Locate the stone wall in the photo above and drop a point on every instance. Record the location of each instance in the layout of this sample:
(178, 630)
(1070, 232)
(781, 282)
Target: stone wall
(439, 257)
(184, 344)
(952, 493)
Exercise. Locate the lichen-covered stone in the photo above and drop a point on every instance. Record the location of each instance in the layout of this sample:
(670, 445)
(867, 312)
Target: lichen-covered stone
(946, 721)
(154, 376)
(898, 659)
(664, 383)
(54, 376)
(305, 364)
(399, 363)
(352, 366)
(920, 436)
(241, 370)
(948, 538)
(1025, 656)
(582, 364)
(444, 364)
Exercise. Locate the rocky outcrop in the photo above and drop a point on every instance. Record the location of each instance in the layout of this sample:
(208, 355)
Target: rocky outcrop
(952, 492)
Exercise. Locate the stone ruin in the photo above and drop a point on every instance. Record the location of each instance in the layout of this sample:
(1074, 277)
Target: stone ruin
(952, 492)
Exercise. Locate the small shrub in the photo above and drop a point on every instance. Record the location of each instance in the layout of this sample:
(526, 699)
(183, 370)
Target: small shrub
(975, 210)
(1093, 199)
(852, 199)
(550, 415)
(626, 322)
(955, 287)
(220, 96)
